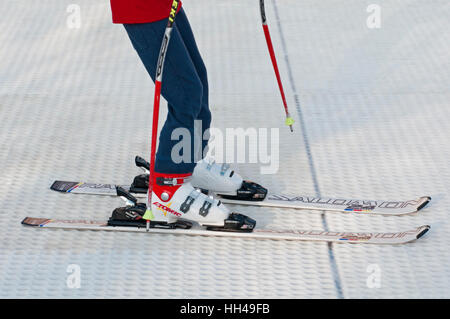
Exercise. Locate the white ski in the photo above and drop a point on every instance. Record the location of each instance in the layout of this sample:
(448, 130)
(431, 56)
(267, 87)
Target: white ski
(303, 235)
(359, 206)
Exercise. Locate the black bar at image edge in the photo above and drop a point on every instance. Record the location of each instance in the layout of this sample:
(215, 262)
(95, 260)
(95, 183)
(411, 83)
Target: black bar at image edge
(223, 308)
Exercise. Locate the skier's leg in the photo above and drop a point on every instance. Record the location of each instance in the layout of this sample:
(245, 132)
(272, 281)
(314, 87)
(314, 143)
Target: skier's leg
(182, 88)
(185, 30)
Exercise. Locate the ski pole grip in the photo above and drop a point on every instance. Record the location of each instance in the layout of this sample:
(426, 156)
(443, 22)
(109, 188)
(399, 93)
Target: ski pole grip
(140, 162)
(123, 193)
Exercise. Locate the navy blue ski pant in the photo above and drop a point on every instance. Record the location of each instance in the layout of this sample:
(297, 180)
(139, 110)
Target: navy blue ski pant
(184, 86)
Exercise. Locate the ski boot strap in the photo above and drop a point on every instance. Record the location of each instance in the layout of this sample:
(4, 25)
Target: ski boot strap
(172, 181)
(223, 168)
(165, 185)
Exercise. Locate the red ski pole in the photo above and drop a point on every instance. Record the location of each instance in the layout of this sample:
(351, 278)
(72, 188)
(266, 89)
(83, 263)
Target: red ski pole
(289, 120)
(158, 82)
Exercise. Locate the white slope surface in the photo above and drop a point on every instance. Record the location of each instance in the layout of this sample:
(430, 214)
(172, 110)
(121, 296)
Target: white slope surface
(76, 104)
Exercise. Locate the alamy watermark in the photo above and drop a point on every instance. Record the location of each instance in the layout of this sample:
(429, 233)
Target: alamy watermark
(374, 19)
(73, 280)
(235, 145)
(73, 20)
(374, 278)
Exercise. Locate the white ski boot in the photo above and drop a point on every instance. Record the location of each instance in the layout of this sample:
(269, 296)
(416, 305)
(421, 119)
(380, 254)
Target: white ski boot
(208, 175)
(223, 181)
(175, 200)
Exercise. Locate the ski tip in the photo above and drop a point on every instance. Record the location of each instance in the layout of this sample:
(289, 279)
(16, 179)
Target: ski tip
(425, 229)
(426, 200)
(62, 186)
(31, 221)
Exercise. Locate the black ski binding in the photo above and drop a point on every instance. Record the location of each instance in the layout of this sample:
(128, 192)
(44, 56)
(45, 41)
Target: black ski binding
(249, 191)
(236, 223)
(128, 216)
(140, 184)
(142, 223)
(141, 162)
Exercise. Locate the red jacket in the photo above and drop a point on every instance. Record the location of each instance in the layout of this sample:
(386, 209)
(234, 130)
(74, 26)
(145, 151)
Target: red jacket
(140, 11)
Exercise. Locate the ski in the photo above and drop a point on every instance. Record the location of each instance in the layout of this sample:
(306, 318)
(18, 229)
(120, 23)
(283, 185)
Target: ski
(274, 234)
(358, 206)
